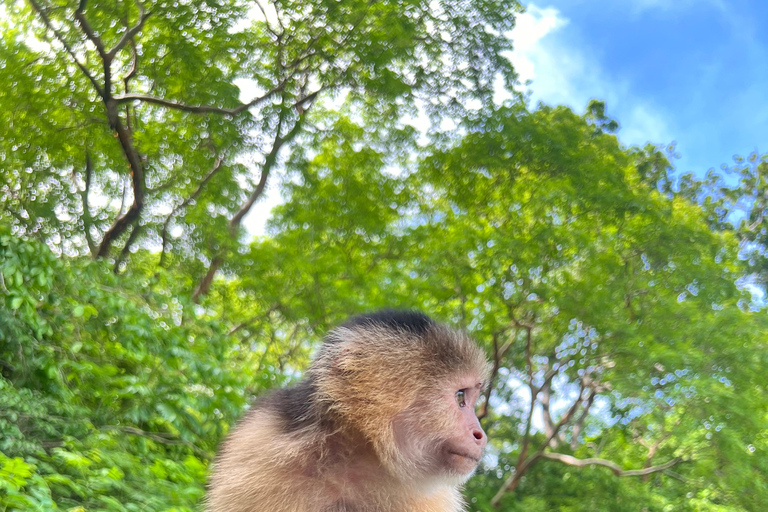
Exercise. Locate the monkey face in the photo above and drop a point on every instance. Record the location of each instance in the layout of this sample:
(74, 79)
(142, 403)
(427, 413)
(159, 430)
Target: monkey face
(463, 447)
(440, 436)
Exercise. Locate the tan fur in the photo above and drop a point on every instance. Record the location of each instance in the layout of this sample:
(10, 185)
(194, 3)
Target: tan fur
(371, 384)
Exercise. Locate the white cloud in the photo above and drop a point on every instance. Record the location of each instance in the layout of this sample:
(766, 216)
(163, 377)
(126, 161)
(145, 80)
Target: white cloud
(562, 71)
(530, 28)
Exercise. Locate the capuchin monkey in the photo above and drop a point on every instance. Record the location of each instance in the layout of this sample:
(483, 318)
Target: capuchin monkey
(383, 421)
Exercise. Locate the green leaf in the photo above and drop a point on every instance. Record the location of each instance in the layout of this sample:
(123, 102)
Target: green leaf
(16, 302)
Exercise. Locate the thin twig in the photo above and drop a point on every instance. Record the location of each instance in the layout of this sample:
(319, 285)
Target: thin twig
(60, 38)
(87, 218)
(201, 109)
(160, 437)
(615, 468)
(129, 34)
(184, 204)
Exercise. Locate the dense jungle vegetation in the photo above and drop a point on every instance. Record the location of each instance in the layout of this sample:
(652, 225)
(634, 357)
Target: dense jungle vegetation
(619, 301)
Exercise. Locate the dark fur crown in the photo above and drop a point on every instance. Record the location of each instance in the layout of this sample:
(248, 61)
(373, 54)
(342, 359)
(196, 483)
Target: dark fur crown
(410, 321)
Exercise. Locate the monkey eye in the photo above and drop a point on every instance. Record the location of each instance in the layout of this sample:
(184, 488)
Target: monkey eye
(461, 398)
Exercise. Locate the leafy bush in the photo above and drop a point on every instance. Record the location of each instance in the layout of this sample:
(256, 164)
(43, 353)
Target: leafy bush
(113, 394)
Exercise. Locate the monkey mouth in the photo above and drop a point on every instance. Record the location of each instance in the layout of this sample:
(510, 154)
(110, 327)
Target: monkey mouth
(465, 456)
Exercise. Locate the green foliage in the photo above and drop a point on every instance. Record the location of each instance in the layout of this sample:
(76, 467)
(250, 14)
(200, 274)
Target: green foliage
(614, 300)
(135, 118)
(113, 393)
(737, 196)
(597, 291)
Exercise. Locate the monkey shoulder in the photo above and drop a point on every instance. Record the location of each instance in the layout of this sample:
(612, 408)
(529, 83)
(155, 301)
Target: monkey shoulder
(261, 463)
(277, 428)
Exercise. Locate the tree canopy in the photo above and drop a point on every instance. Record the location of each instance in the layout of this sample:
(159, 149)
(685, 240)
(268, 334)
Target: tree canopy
(619, 302)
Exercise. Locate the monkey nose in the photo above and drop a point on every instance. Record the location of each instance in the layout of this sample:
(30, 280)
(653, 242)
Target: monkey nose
(479, 435)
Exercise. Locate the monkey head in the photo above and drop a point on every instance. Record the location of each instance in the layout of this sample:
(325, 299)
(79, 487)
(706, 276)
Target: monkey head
(408, 386)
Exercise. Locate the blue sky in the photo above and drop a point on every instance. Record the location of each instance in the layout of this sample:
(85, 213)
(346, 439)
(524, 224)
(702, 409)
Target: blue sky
(690, 71)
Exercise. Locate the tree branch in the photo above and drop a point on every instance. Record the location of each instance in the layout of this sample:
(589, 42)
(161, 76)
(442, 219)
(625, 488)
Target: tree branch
(266, 168)
(494, 371)
(87, 218)
(134, 66)
(122, 222)
(205, 283)
(126, 248)
(129, 34)
(615, 468)
(579, 424)
(126, 81)
(89, 33)
(201, 109)
(236, 221)
(3, 288)
(301, 106)
(184, 204)
(498, 355)
(278, 35)
(546, 394)
(60, 38)
(567, 416)
(250, 321)
(523, 465)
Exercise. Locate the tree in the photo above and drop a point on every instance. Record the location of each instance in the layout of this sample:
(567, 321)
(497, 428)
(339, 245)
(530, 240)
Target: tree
(621, 343)
(735, 200)
(128, 116)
